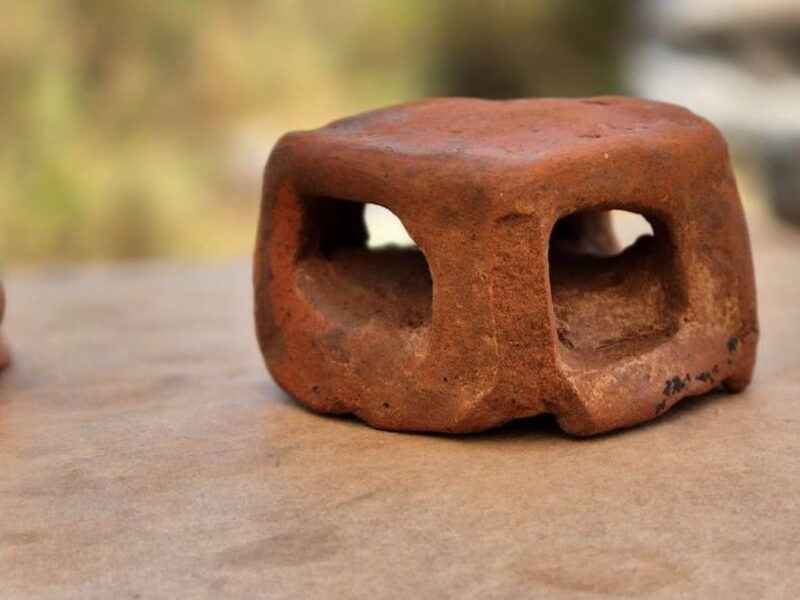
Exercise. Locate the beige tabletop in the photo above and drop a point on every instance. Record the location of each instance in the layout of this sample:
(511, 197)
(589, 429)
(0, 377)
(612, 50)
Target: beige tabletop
(145, 453)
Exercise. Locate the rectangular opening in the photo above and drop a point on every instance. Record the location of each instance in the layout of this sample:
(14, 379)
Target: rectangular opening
(611, 301)
(363, 270)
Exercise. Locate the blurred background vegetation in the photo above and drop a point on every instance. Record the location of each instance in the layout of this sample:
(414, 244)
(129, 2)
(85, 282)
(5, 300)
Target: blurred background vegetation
(136, 128)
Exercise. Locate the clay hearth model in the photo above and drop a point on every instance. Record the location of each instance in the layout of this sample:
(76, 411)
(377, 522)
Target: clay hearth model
(518, 300)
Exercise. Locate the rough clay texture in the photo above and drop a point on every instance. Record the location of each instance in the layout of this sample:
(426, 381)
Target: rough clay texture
(5, 354)
(518, 300)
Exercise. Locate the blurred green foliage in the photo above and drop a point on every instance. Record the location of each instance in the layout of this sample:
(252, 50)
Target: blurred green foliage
(136, 128)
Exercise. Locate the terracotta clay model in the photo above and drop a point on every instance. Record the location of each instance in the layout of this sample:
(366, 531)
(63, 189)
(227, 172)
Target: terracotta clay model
(5, 355)
(518, 300)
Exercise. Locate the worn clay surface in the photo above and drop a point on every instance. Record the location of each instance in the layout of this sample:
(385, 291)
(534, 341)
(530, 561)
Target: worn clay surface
(518, 300)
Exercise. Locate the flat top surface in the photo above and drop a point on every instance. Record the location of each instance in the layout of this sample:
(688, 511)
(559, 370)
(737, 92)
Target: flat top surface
(520, 129)
(145, 453)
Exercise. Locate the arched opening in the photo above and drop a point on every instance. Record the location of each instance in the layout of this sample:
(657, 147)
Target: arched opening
(612, 281)
(359, 263)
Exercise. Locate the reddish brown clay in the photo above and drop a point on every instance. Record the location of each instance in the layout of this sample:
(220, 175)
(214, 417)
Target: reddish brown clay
(519, 302)
(5, 355)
